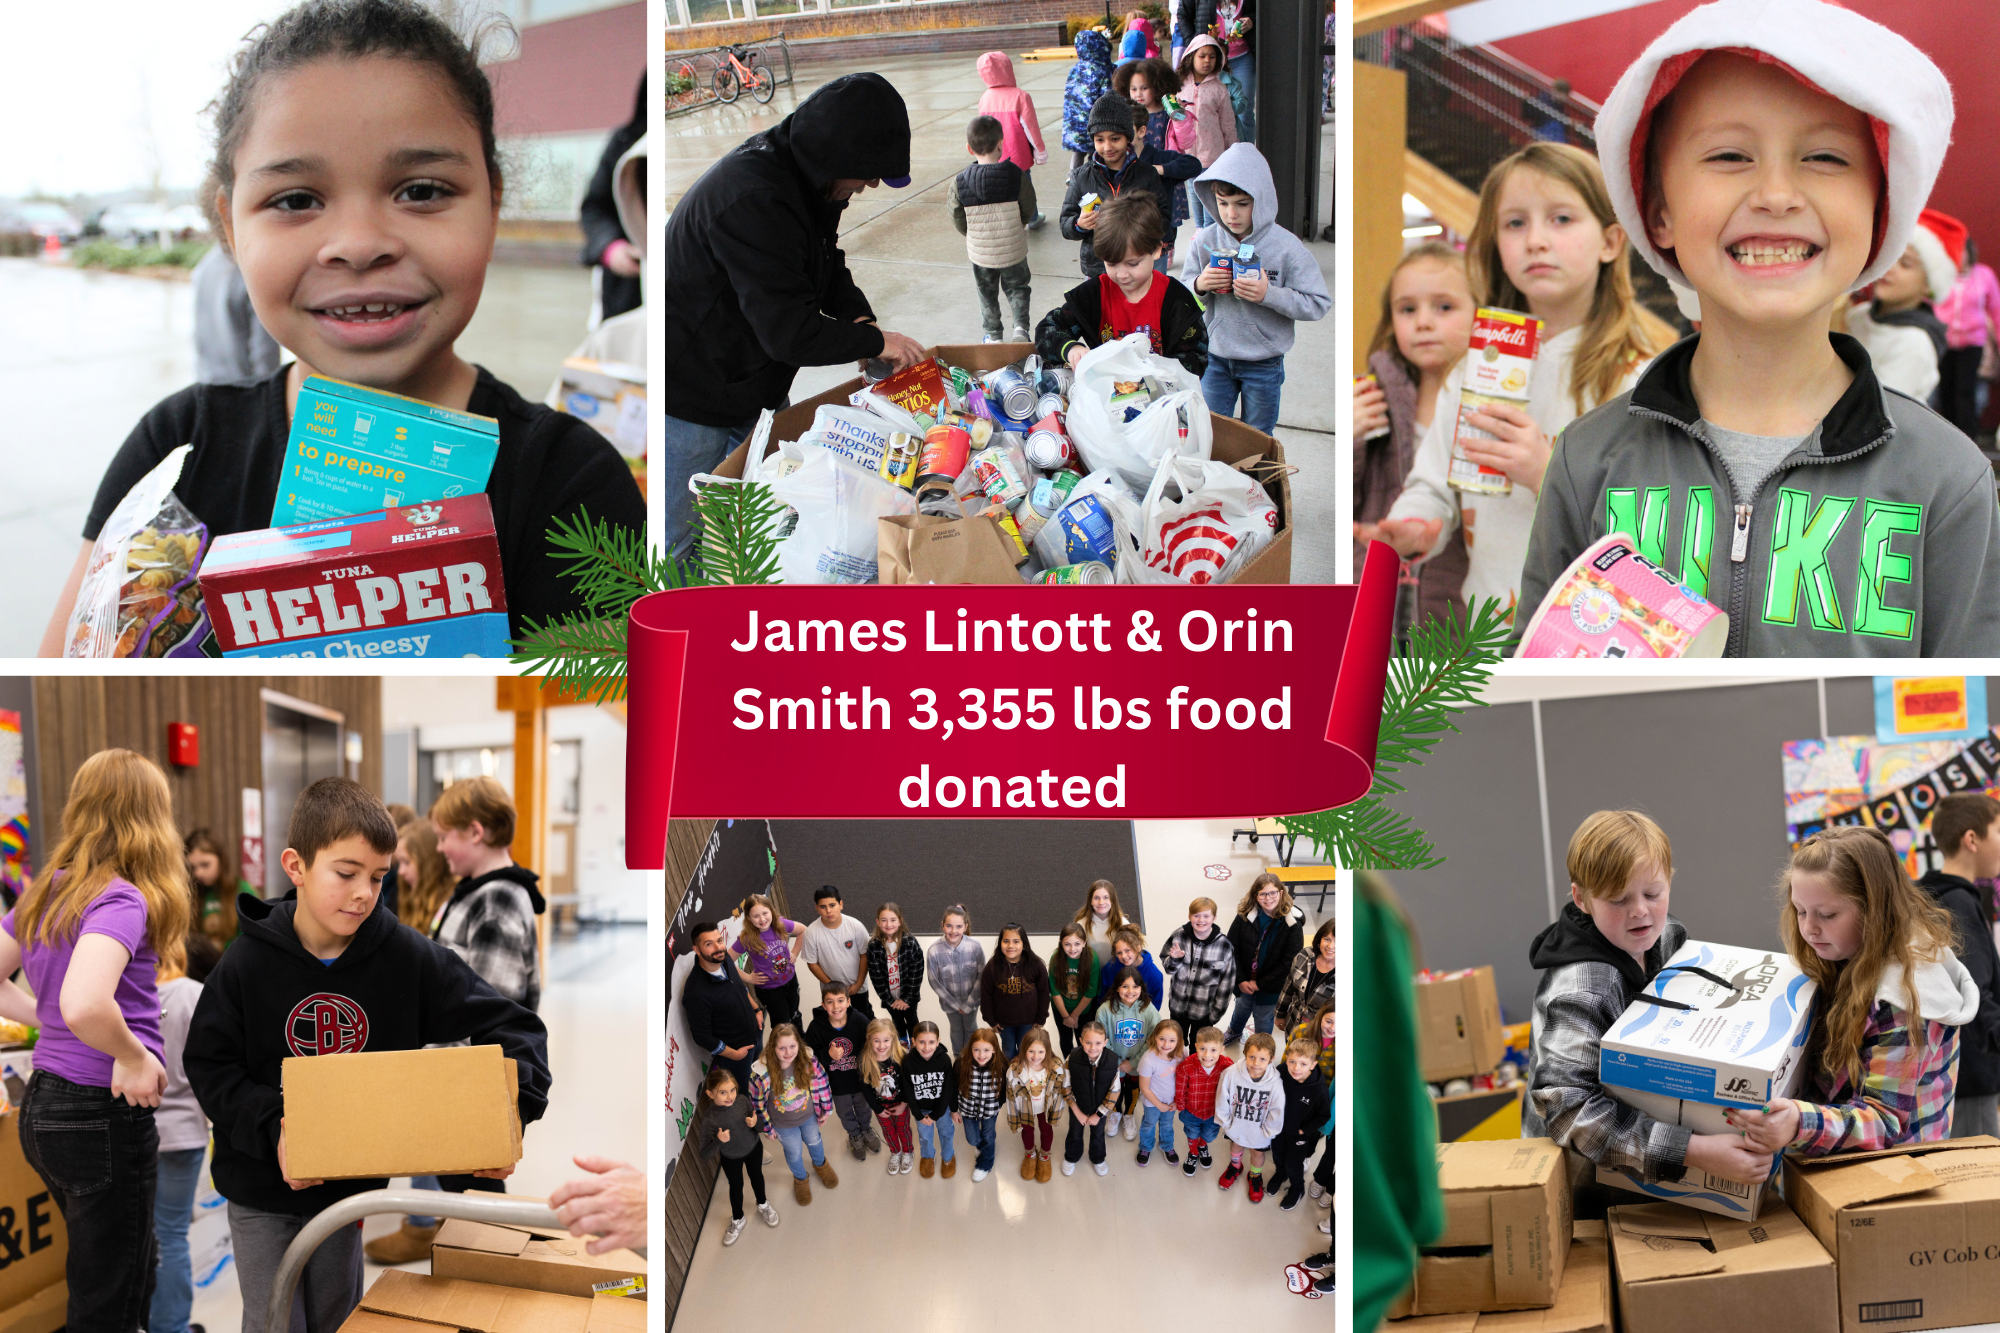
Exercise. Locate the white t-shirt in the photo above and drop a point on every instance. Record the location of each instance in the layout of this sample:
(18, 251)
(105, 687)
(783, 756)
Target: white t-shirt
(842, 953)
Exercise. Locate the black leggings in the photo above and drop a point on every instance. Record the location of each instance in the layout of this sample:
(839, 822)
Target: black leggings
(904, 1019)
(782, 1004)
(735, 1168)
(1323, 1173)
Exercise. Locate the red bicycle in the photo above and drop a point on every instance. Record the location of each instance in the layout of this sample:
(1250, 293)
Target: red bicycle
(739, 70)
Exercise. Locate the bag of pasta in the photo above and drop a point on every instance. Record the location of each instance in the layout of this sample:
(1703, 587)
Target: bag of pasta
(140, 596)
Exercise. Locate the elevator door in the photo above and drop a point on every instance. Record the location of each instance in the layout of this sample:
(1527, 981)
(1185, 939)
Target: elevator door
(301, 746)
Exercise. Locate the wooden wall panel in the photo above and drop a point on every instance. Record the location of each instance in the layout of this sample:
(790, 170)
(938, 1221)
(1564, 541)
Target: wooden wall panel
(76, 716)
(1379, 128)
(686, 1203)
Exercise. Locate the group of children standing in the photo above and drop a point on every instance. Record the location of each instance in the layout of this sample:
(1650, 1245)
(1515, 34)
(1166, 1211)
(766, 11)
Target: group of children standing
(1121, 1061)
(1152, 144)
(1734, 457)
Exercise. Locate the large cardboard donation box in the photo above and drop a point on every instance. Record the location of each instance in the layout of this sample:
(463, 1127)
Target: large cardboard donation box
(404, 1302)
(1680, 1269)
(33, 1244)
(1914, 1232)
(456, 1111)
(1582, 1305)
(1459, 1033)
(552, 1261)
(1506, 1230)
(1720, 1026)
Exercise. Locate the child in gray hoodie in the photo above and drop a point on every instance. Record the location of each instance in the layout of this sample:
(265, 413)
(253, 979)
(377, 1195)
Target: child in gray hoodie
(1256, 279)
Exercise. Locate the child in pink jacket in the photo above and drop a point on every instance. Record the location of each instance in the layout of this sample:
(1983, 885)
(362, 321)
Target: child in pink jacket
(1020, 130)
(1209, 123)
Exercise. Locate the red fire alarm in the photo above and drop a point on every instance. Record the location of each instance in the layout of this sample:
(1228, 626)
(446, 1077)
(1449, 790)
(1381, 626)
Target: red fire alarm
(183, 744)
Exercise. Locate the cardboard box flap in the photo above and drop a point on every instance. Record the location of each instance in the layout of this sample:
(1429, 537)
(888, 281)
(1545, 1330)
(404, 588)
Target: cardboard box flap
(1845, 1183)
(1497, 1164)
(617, 1314)
(459, 1234)
(1670, 1241)
(475, 1306)
(1523, 1262)
(1907, 1150)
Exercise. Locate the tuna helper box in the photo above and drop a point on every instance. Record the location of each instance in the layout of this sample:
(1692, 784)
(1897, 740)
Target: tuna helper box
(354, 449)
(1720, 1026)
(422, 581)
(1234, 442)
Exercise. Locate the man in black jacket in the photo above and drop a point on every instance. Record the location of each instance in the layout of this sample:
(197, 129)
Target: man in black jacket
(723, 1018)
(755, 283)
(1967, 829)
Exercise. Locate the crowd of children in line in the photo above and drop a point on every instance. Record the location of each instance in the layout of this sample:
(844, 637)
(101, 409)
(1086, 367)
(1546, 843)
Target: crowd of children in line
(1122, 1061)
(1905, 1040)
(1753, 164)
(1152, 143)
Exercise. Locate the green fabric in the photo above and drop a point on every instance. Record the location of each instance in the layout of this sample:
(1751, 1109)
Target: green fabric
(1397, 1206)
(1090, 978)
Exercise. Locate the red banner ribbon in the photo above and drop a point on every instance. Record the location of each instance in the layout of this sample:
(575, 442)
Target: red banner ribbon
(993, 701)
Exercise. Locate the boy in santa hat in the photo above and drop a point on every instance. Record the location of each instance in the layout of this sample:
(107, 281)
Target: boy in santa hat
(1774, 155)
(1899, 327)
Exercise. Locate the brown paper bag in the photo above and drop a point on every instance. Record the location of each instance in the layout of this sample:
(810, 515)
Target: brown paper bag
(923, 548)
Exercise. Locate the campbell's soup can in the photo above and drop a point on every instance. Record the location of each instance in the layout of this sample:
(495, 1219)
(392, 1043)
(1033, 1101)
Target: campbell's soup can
(1086, 529)
(1499, 364)
(1083, 572)
(945, 451)
(1051, 493)
(998, 476)
(1048, 448)
(1015, 393)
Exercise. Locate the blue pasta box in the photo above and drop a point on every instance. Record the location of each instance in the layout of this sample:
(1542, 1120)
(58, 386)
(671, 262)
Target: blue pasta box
(354, 449)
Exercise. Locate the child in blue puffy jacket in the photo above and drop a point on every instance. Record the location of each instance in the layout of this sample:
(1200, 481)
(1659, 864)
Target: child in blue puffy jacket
(1089, 79)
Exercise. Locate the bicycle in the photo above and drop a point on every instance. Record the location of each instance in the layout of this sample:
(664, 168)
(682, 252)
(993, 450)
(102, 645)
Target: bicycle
(738, 70)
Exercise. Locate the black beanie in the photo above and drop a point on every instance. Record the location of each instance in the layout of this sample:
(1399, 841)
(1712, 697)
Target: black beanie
(1113, 113)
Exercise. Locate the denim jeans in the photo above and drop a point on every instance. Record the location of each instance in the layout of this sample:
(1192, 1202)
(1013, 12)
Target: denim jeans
(1199, 1130)
(1153, 1121)
(984, 1136)
(1244, 67)
(1258, 383)
(1200, 216)
(173, 1210)
(686, 448)
(796, 1139)
(1015, 281)
(1260, 1011)
(1010, 1038)
(100, 1159)
(417, 1183)
(941, 1131)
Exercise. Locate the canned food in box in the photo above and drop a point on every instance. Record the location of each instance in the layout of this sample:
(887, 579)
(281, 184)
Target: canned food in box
(899, 460)
(945, 451)
(998, 476)
(1051, 493)
(1048, 447)
(1087, 532)
(1014, 534)
(1084, 572)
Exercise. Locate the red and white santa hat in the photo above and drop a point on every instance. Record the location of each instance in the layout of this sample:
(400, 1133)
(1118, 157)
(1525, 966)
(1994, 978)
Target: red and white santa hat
(1940, 242)
(1829, 49)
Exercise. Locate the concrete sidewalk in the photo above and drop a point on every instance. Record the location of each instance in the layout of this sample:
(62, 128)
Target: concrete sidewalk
(908, 258)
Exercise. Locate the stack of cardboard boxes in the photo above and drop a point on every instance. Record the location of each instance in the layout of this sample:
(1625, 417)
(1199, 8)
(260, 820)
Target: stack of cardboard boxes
(1460, 1036)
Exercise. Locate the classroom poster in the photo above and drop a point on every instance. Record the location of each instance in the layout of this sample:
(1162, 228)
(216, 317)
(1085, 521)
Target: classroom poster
(15, 870)
(1859, 780)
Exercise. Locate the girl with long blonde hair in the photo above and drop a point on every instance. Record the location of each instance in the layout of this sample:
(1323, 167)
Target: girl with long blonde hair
(1546, 242)
(882, 1086)
(107, 913)
(1882, 1060)
(793, 1097)
(423, 879)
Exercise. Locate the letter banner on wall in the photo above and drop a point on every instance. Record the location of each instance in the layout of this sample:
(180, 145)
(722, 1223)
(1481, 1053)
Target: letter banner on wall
(1859, 780)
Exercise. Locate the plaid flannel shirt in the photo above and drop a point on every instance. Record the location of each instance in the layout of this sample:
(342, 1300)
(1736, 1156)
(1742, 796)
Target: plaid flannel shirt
(1055, 1095)
(761, 1094)
(493, 930)
(909, 962)
(982, 1099)
(955, 973)
(1204, 976)
(1194, 1087)
(1904, 1097)
(1306, 989)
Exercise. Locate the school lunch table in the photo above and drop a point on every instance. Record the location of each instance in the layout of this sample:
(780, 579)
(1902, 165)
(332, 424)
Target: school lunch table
(1296, 879)
(498, 1209)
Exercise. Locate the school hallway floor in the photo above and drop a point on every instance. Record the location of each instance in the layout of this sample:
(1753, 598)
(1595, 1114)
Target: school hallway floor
(971, 1241)
(589, 1004)
(908, 258)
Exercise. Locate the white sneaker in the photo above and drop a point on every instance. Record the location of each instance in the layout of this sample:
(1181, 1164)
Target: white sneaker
(978, 1174)
(1021, 335)
(1326, 1226)
(768, 1213)
(1069, 1168)
(907, 1168)
(1101, 1168)
(1131, 1128)
(735, 1230)
(895, 1162)
(1313, 1191)
(1111, 1119)
(990, 338)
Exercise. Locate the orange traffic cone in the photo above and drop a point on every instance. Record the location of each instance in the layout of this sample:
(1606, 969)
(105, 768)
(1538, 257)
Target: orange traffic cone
(51, 248)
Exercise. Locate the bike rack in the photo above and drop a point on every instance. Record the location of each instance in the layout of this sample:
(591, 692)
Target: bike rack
(497, 1209)
(769, 48)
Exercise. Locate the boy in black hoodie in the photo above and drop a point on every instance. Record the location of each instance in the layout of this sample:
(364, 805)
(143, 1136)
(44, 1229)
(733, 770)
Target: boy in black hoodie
(1967, 829)
(837, 1035)
(328, 973)
(1305, 1112)
(1613, 937)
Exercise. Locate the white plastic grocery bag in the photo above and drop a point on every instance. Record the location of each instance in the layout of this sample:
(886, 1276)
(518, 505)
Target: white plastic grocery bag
(1176, 423)
(838, 505)
(1200, 522)
(1093, 523)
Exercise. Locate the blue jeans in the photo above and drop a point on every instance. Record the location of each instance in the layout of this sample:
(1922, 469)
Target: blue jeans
(418, 1183)
(1200, 216)
(941, 1128)
(1258, 383)
(686, 448)
(1244, 67)
(1153, 1121)
(1199, 1130)
(796, 1139)
(1010, 1038)
(1260, 1011)
(983, 1135)
(173, 1209)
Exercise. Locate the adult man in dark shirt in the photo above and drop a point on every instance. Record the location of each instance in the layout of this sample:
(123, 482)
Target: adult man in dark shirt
(723, 1017)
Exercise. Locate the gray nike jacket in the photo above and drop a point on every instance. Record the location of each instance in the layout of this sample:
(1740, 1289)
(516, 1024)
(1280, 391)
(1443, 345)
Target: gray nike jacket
(1879, 536)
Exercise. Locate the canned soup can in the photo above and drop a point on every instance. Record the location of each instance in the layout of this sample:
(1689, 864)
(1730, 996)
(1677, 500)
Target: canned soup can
(1084, 572)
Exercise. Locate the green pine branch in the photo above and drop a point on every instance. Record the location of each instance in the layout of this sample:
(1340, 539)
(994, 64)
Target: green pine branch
(739, 534)
(1444, 670)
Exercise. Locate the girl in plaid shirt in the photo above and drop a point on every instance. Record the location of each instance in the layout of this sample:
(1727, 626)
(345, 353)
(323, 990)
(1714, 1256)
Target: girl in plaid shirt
(896, 966)
(954, 963)
(1883, 1057)
(1037, 1089)
(792, 1097)
(976, 1092)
